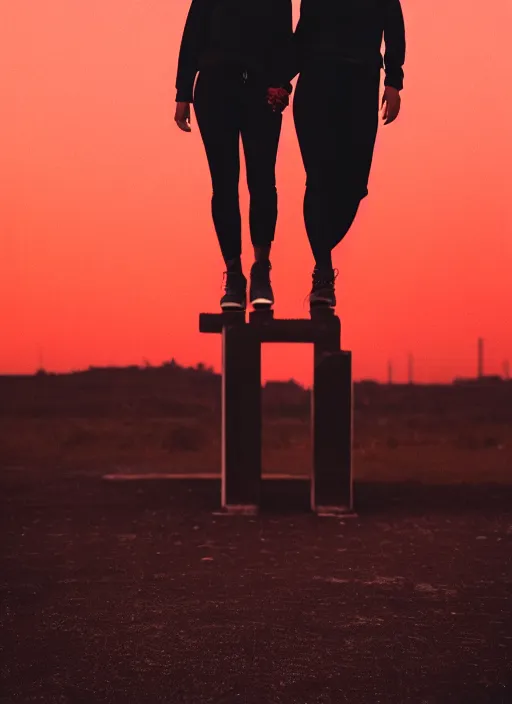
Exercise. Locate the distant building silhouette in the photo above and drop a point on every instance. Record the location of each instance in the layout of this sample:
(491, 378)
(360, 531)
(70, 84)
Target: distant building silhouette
(490, 379)
(367, 383)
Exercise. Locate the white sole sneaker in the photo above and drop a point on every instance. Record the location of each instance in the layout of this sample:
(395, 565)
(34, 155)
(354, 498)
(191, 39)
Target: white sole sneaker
(262, 302)
(232, 306)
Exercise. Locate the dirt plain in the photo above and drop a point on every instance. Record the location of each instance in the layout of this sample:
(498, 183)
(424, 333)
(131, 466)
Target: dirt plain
(138, 591)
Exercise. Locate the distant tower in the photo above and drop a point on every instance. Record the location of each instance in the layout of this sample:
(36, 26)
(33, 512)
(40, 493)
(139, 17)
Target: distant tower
(411, 369)
(390, 372)
(480, 357)
(506, 370)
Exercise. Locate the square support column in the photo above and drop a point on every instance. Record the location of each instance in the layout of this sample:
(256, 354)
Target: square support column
(332, 419)
(241, 419)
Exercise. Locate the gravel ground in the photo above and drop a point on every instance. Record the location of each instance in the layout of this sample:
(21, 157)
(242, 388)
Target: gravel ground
(138, 592)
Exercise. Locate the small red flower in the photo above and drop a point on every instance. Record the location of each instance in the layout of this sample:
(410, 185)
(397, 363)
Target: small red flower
(278, 99)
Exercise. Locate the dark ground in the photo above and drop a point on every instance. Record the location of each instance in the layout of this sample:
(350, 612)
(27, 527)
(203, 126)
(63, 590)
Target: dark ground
(137, 592)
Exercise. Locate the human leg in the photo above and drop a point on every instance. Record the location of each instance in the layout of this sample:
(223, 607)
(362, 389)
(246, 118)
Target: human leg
(261, 129)
(336, 114)
(217, 108)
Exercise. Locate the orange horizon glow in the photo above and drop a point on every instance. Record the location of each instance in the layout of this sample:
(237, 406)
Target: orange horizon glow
(108, 252)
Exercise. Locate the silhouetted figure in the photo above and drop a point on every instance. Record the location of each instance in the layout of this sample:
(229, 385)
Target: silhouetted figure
(336, 111)
(242, 51)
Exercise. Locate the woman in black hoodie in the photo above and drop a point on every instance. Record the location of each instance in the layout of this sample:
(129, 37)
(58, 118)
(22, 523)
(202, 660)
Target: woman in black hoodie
(242, 51)
(336, 112)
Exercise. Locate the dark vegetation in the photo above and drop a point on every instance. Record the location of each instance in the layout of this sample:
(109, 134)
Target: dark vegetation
(168, 419)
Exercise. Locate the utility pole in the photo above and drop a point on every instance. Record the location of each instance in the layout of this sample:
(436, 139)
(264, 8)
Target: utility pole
(480, 357)
(411, 369)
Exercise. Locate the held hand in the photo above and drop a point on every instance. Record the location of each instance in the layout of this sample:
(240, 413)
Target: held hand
(182, 116)
(391, 102)
(278, 99)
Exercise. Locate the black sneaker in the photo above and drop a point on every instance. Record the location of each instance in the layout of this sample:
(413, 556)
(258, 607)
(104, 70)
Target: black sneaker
(235, 287)
(261, 294)
(322, 291)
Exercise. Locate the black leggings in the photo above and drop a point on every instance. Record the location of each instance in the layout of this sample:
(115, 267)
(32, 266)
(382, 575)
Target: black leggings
(336, 112)
(228, 105)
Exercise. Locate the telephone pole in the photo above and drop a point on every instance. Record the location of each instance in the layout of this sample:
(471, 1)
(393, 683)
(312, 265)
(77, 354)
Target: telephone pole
(410, 366)
(480, 357)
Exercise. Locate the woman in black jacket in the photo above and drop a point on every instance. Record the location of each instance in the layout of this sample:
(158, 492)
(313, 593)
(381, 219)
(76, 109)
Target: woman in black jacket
(242, 51)
(336, 112)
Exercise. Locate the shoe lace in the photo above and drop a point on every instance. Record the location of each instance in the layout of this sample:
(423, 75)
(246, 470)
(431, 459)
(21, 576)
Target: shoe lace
(225, 278)
(260, 273)
(321, 281)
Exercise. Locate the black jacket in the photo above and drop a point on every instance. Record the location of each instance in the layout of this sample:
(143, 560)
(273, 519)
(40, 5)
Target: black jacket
(256, 35)
(352, 31)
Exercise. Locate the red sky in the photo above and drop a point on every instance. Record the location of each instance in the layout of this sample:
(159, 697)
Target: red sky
(108, 253)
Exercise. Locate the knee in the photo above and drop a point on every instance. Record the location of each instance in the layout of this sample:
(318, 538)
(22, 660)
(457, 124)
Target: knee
(267, 191)
(324, 180)
(224, 188)
(337, 188)
(262, 186)
(315, 188)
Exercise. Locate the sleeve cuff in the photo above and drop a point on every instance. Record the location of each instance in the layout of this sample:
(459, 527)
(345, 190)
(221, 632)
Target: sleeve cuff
(394, 82)
(184, 96)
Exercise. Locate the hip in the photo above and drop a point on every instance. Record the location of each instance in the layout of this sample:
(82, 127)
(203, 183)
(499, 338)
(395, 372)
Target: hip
(232, 81)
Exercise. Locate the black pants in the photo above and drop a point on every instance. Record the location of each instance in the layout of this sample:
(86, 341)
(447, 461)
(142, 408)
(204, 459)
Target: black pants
(227, 105)
(336, 112)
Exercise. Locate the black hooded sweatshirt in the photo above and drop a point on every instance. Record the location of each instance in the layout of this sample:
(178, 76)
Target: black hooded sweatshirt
(254, 35)
(351, 31)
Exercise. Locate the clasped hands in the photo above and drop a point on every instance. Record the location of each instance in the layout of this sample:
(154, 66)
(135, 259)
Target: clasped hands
(279, 99)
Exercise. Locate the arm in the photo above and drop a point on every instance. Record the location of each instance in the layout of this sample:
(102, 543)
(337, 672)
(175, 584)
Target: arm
(282, 59)
(297, 38)
(306, 20)
(191, 45)
(394, 38)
